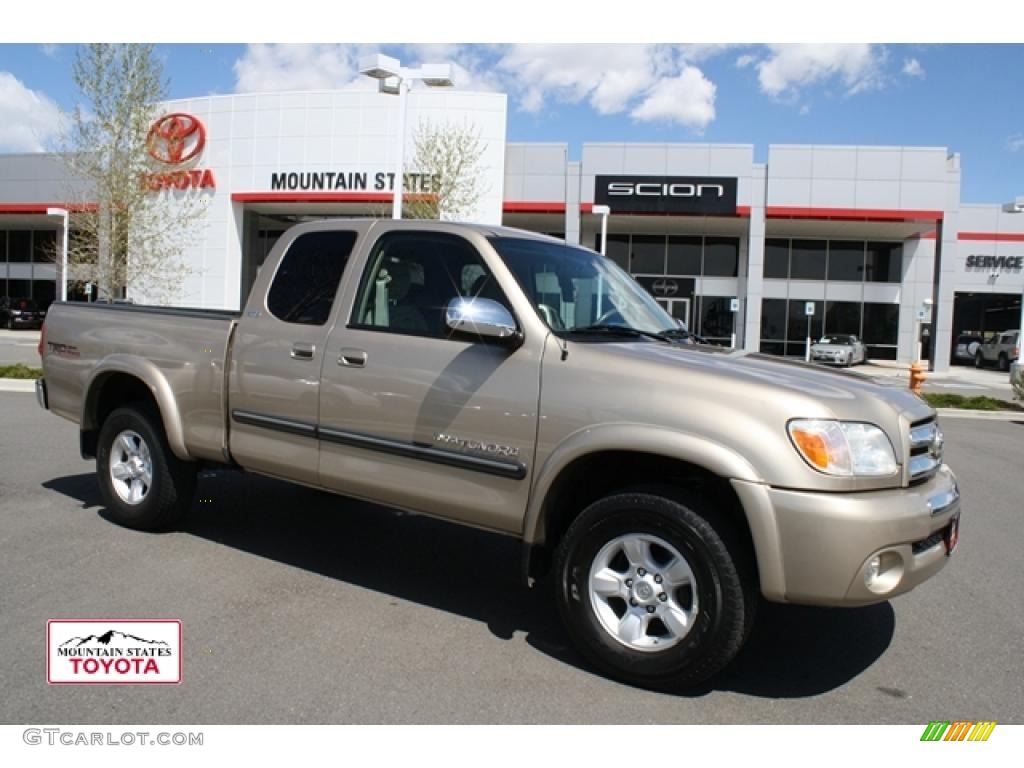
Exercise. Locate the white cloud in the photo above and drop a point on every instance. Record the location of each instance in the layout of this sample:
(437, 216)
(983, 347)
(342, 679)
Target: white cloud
(687, 99)
(788, 68)
(296, 67)
(50, 50)
(745, 60)
(29, 120)
(913, 68)
(650, 82)
(1015, 143)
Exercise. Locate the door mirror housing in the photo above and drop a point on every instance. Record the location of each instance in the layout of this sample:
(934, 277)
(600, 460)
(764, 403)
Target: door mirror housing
(482, 317)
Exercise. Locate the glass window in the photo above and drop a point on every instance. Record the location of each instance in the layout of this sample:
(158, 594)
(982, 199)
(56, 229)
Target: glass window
(846, 260)
(684, 255)
(44, 246)
(798, 321)
(648, 255)
(721, 256)
(44, 292)
(307, 280)
(776, 258)
(618, 249)
(19, 288)
(881, 323)
(842, 317)
(884, 263)
(773, 348)
(773, 319)
(3, 248)
(808, 260)
(411, 278)
(19, 245)
(715, 318)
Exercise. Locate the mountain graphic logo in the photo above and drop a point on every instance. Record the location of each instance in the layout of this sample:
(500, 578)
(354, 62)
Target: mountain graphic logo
(109, 639)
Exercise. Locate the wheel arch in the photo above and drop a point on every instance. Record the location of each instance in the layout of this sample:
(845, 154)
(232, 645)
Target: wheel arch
(122, 379)
(599, 461)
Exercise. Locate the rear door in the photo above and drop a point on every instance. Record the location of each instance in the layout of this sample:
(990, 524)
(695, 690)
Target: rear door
(414, 416)
(277, 354)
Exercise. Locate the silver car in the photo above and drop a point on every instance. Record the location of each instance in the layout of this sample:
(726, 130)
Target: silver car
(839, 349)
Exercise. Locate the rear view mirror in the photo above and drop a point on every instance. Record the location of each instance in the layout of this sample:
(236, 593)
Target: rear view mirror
(480, 317)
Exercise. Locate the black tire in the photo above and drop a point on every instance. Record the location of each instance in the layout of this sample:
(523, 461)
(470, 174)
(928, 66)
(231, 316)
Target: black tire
(979, 360)
(1004, 362)
(723, 599)
(169, 494)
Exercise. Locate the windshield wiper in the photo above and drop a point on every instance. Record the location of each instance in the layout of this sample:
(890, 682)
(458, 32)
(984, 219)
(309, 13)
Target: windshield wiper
(621, 330)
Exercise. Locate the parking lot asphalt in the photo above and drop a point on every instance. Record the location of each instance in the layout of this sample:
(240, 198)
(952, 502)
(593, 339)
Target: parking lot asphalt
(300, 607)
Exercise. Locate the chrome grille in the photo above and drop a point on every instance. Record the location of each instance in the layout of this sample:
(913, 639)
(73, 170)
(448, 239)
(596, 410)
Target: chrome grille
(925, 450)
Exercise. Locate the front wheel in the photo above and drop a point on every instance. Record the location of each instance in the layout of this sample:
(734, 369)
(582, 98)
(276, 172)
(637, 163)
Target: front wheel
(1004, 362)
(979, 360)
(144, 485)
(650, 591)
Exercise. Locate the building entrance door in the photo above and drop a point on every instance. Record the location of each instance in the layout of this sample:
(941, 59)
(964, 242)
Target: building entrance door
(678, 308)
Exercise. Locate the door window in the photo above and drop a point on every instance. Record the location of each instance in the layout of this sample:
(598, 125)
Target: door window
(307, 280)
(412, 276)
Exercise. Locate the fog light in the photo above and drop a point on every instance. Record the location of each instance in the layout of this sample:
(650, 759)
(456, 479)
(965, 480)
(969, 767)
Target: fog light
(872, 571)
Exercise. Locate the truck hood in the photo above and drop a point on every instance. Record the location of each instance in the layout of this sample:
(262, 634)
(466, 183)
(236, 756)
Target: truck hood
(755, 377)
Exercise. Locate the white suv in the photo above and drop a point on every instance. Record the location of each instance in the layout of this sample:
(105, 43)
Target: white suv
(1002, 349)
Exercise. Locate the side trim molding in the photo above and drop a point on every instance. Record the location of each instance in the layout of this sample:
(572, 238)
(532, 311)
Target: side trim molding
(514, 470)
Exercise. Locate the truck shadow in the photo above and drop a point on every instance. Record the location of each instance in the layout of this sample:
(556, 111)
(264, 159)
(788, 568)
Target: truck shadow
(793, 651)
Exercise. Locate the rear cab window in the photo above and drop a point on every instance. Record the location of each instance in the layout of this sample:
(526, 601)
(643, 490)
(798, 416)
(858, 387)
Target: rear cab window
(306, 283)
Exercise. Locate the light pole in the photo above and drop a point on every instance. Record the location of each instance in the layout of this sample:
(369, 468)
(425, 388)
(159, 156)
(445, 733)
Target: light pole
(393, 78)
(63, 213)
(603, 211)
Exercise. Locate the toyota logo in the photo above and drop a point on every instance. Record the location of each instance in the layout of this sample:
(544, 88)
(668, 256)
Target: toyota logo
(664, 287)
(176, 138)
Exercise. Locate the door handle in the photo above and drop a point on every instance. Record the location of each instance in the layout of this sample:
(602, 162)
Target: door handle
(352, 358)
(303, 351)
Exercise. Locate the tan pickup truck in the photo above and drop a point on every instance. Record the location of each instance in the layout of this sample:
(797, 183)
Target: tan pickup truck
(508, 381)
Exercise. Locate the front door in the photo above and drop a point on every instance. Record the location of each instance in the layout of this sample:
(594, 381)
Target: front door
(413, 416)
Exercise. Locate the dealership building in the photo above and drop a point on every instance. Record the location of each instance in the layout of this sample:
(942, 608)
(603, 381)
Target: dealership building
(867, 240)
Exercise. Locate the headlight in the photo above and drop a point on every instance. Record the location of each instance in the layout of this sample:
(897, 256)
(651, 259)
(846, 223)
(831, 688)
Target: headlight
(843, 448)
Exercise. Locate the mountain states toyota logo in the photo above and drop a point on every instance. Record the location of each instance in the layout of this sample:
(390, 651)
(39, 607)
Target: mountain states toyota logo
(113, 651)
(176, 138)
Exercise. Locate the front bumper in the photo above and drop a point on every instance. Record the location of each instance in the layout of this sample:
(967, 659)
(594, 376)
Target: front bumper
(818, 549)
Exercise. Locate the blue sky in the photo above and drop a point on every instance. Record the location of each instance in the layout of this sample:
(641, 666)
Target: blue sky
(966, 97)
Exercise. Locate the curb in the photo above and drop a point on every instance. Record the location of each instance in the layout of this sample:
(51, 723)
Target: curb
(964, 413)
(17, 385)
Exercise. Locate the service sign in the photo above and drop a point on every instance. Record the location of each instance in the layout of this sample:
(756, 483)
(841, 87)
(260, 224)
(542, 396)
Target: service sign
(688, 195)
(113, 651)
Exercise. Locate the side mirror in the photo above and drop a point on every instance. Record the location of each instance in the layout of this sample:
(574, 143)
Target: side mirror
(481, 317)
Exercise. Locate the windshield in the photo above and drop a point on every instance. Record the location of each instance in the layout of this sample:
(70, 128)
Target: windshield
(575, 289)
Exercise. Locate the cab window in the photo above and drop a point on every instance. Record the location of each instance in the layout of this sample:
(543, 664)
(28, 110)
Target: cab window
(307, 280)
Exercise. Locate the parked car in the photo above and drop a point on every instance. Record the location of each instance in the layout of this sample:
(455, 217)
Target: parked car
(966, 347)
(505, 380)
(19, 312)
(839, 349)
(1001, 349)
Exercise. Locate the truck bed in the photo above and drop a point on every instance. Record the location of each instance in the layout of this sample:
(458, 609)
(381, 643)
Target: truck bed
(184, 349)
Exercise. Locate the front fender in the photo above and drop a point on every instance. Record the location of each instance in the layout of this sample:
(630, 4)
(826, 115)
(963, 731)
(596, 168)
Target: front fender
(638, 438)
(148, 373)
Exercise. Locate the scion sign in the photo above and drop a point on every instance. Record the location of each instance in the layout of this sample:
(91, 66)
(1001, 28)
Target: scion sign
(666, 194)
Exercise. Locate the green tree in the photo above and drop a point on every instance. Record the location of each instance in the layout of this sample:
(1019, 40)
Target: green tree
(125, 234)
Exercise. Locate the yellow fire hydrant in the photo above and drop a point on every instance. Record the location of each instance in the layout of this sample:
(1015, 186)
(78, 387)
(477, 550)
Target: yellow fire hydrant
(917, 377)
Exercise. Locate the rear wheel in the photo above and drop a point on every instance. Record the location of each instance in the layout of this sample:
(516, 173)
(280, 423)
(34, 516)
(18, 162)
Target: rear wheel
(651, 593)
(979, 359)
(144, 485)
